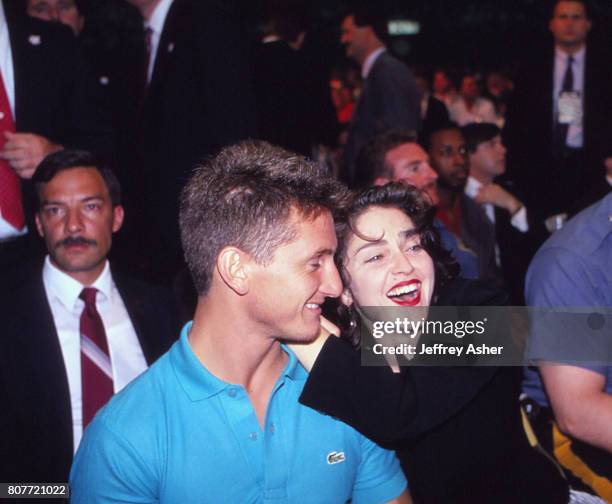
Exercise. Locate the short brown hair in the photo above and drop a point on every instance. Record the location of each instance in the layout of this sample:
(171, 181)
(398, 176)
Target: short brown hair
(244, 197)
(371, 164)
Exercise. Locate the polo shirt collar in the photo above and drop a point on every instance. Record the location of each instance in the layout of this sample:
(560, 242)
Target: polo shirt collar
(67, 290)
(199, 383)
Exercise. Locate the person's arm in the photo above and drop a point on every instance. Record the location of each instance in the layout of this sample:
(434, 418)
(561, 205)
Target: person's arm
(387, 406)
(404, 498)
(581, 406)
(25, 151)
(383, 405)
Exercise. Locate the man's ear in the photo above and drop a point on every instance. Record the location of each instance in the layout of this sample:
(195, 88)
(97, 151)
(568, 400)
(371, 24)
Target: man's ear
(232, 265)
(118, 214)
(346, 297)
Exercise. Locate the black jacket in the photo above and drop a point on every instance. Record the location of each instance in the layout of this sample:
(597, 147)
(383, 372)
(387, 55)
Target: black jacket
(36, 438)
(457, 430)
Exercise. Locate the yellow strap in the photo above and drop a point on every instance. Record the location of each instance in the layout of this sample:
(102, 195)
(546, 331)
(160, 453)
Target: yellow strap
(533, 441)
(568, 459)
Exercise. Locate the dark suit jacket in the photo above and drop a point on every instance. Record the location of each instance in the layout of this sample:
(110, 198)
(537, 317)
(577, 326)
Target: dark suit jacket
(548, 182)
(294, 107)
(436, 116)
(199, 100)
(389, 100)
(478, 234)
(55, 92)
(457, 430)
(36, 442)
(516, 248)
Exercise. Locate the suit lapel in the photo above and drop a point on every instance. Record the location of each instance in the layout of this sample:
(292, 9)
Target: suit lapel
(141, 315)
(167, 45)
(48, 393)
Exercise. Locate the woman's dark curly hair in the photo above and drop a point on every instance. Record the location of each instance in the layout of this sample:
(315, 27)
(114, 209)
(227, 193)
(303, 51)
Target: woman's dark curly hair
(416, 205)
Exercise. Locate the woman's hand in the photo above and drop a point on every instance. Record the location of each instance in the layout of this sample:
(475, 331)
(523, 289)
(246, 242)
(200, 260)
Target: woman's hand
(307, 353)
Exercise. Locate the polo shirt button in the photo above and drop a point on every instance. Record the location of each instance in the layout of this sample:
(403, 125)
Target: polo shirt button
(253, 436)
(231, 392)
(1, 116)
(272, 428)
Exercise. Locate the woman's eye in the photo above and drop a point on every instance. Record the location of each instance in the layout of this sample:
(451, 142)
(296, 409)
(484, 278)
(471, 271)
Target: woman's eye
(374, 258)
(415, 248)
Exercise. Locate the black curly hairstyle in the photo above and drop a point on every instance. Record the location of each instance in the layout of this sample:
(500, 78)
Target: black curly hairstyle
(416, 205)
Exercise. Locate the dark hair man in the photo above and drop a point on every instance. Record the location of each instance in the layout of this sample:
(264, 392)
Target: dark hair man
(461, 215)
(48, 100)
(73, 332)
(390, 98)
(509, 224)
(558, 123)
(218, 418)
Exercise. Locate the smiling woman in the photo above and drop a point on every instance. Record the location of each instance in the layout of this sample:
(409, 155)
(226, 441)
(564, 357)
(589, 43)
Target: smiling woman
(457, 430)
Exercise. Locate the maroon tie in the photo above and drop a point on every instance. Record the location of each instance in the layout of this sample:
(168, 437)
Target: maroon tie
(96, 371)
(10, 187)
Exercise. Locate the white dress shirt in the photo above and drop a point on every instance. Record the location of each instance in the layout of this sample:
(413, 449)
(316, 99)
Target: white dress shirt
(156, 25)
(6, 68)
(574, 131)
(482, 111)
(127, 359)
(370, 60)
(518, 220)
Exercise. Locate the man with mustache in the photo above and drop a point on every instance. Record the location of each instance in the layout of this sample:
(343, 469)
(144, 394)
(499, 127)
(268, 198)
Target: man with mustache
(74, 333)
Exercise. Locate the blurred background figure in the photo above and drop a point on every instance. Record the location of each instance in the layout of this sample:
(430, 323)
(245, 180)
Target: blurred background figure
(434, 113)
(68, 12)
(559, 126)
(443, 87)
(498, 89)
(389, 97)
(294, 104)
(469, 106)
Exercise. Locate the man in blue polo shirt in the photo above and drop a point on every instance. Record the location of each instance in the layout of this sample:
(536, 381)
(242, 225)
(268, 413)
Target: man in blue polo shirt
(217, 418)
(570, 391)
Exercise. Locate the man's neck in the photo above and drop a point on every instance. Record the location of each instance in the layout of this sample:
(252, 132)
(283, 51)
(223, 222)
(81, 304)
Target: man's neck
(146, 11)
(228, 346)
(483, 178)
(365, 56)
(570, 49)
(448, 196)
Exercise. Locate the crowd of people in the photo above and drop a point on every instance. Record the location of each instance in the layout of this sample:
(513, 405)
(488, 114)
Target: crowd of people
(134, 201)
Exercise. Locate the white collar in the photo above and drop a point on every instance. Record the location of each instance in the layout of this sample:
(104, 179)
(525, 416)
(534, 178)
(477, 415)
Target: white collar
(472, 186)
(158, 18)
(562, 56)
(67, 290)
(370, 60)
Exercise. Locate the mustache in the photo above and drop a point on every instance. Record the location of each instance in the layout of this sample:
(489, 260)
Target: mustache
(75, 240)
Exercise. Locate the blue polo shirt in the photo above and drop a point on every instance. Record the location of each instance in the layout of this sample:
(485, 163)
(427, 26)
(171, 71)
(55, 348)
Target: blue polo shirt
(178, 434)
(574, 269)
